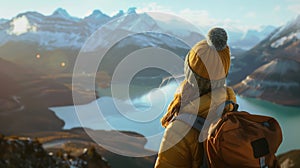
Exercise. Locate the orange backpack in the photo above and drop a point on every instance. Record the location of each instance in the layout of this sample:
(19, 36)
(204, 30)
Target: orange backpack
(240, 140)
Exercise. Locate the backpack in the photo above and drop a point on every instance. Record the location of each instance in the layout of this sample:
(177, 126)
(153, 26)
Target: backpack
(239, 139)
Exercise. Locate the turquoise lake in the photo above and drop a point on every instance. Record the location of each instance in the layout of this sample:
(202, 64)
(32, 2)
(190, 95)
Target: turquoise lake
(134, 115)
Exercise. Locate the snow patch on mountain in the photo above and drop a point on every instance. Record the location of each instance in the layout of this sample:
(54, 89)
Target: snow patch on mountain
(286, 39)
(149, 39)
(58, 30)
(60, 39)
(133, 23)
(292, 25)
(21, 25)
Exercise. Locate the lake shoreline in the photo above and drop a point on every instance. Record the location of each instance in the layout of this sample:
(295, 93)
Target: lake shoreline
(252, 105)
(269, 101)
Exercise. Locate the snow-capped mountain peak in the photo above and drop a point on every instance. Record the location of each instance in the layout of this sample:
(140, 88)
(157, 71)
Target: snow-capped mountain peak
(61, 13)
(131, 10)
(96, 15)
(132, 22)
(119, 14)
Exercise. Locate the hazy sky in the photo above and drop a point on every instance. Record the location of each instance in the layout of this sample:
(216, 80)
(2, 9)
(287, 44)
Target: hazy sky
(231, 13)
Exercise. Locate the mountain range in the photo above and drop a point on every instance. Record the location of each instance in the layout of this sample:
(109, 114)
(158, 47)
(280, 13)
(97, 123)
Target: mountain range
(47, 42)
(60, 30)
(247, 40)
(50, 44)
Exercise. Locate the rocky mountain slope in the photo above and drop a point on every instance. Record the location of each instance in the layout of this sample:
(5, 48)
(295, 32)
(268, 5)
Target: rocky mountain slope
(50, 44)
(270, 69)
(276, 81)
(281, 43)
(250, 38)
(57, 38)
(27, 95)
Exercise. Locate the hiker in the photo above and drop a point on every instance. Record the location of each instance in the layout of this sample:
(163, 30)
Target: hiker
(203, 89)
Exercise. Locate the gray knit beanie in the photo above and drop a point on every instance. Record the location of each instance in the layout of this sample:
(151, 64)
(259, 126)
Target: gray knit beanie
(218, 38)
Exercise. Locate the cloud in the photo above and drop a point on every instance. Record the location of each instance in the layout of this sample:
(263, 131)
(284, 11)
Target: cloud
(294, 8)
(21, 25)
(203, 19)
(200, 18)
(277, 8)
(153, 7)
(250, 15)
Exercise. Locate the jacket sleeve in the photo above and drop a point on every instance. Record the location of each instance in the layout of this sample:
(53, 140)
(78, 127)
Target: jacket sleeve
(179, 147)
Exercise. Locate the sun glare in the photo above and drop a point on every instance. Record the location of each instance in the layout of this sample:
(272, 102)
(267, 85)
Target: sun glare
(62, 64)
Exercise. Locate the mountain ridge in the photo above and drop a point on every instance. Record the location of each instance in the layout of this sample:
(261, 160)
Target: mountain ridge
(58, 41)
(271, 68)
(81, 28)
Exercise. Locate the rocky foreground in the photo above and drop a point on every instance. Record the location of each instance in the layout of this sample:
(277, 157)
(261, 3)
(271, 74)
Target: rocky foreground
(23, 152)
(73, 148)
(290, 159)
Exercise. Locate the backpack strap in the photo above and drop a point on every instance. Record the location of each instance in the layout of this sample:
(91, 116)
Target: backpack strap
(192, 120)
(197, 122)
(221, 106)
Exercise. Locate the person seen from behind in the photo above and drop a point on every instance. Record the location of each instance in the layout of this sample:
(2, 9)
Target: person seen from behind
(203, 90)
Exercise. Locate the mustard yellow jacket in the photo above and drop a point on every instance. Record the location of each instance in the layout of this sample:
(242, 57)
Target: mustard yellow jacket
(180, 147)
